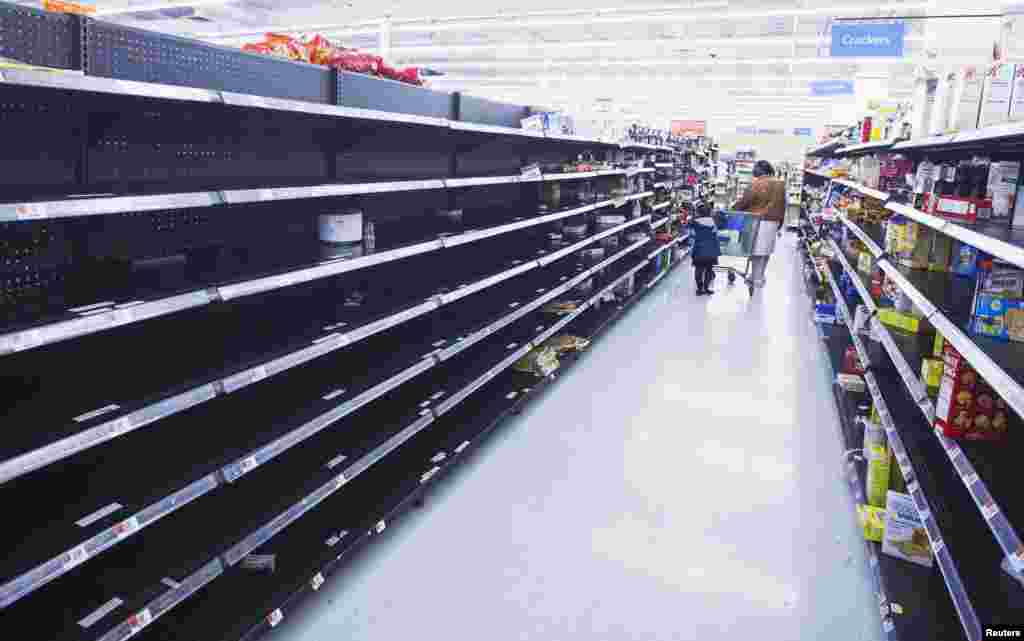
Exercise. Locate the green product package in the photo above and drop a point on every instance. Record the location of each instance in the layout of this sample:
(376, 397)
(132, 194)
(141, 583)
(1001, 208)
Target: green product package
(872, 520)
(879, 457)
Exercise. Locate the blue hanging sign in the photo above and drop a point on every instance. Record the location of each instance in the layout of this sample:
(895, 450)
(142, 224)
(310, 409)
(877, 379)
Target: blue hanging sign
(831, 87)
(868, 39)
(803, 131)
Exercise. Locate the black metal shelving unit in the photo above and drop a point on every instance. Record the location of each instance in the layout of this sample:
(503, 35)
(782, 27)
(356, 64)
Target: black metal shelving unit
(196, 378)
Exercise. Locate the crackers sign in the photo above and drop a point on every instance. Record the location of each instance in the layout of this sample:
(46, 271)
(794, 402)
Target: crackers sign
(692, 127)
(862, 40)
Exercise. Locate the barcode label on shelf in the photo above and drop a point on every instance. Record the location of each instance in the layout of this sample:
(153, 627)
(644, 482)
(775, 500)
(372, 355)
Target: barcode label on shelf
(76, 557)
(316, 581)
(989, 510)
(257, 374)
(380, 527)
(139, 620)
(437, 458)
(274, 618)
(120, 426)
(126, 528)
(101, 513)
(248, 465)
(88, 416)
(938, 546)
(31, 211)
(955, 452)
(970, 479)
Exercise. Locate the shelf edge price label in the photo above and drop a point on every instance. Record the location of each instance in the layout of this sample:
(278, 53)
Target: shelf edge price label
(138, 621)
(938, 546)
(31, 211)
(275, 617)
(970, 479)
(989, 510)
(126, 528)
(76, 556)
(340, 481)
(317, 581)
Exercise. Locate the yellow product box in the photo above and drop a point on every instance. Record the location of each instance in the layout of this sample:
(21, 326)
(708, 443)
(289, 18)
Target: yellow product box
(937, 347)
(917, 246)
(877, 482)
(865, 262)
(905, 322)
(931, 372)
(872, 519)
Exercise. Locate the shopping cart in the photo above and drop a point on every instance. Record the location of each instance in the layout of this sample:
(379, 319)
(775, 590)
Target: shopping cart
(737, 236)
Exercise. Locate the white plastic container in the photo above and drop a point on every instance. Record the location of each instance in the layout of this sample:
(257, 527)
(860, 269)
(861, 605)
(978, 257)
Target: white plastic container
(344, 227)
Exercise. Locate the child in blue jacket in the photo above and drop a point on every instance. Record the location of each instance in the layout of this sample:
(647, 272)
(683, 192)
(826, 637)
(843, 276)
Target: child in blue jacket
(706, 249)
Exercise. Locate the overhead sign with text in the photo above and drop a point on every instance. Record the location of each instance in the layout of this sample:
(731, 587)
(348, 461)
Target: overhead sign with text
(868, 39)
(683, 127)
(831, 87)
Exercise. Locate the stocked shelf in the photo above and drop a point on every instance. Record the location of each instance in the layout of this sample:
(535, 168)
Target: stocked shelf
(967, 475)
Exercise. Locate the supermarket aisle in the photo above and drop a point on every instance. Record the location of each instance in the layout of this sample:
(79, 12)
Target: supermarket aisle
(681, 483)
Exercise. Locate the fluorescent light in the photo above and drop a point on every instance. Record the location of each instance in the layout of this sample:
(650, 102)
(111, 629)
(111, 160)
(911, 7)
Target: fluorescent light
(596, 16)
(153, 6)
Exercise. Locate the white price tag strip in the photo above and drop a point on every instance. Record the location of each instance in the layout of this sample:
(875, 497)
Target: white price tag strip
(275, 618)
(938, 546)
(970, 479)
(139, 620)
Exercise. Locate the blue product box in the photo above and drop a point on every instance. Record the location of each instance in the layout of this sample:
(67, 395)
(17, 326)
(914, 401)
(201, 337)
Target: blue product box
(990, 316)
(964, 260)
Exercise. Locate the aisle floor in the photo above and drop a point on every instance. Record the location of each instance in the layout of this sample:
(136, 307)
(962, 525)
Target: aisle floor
(682, 482)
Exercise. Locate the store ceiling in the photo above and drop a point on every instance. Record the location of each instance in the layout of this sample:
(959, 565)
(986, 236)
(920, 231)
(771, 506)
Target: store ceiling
(713, 59)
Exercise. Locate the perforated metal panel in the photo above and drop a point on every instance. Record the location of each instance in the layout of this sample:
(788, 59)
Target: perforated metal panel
(368, 92)
(39, 37)
(114, 51)
(489, 112)
(41, 144)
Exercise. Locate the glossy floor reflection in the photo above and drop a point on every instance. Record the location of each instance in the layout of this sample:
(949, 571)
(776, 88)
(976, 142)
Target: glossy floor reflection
(681, 483)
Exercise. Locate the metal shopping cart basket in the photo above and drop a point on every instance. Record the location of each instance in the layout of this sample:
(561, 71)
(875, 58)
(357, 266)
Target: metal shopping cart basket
(737, 236)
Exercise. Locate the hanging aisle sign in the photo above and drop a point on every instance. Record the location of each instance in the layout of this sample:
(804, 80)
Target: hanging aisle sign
(803, 131)
(831, 87)
(683, 127)
(868, 39)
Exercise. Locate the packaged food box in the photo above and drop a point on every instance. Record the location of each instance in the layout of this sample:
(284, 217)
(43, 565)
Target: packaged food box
(931, 372)
(954, 408)
(954, 208)
(964, 259)
(941, 253)
(879, 458)
(905, 536)
(995, 102)
(851, 383)
(991, 416)
(865, 261)
(851, 362)
(1003, 177)
(965, 105)
(1014, 321)
(1004, 281)
(938, 346)
(916, 245)
(990, 316)
(903, 321)
(872, 520)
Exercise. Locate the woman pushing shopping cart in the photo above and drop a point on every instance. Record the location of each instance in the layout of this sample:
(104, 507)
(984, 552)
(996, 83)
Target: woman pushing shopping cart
(765, 201)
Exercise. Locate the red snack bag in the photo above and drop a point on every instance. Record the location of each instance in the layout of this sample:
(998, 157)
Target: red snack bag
(851, 362)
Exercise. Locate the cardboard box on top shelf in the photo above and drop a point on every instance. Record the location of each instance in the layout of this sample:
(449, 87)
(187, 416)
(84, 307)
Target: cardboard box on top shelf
(939, 122)
(998, 91)
(1003, 177)
(965, 105)
(925, 86)
(1017, 94)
